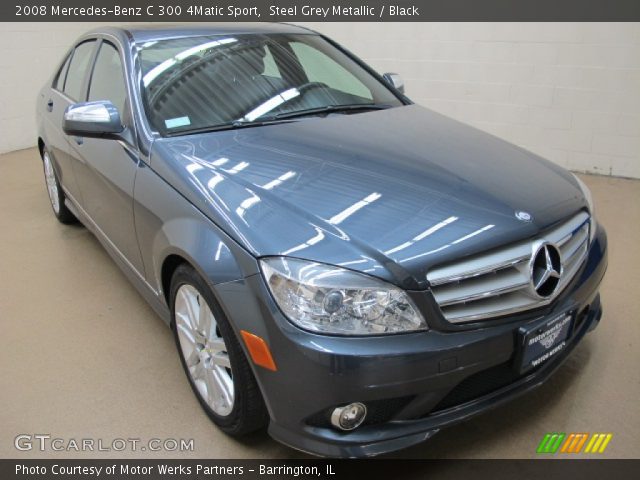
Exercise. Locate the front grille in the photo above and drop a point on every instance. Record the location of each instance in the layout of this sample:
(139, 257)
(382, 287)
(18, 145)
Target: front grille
(499, 283)
(502, 375)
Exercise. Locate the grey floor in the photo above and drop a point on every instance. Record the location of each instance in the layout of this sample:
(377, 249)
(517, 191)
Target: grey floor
(82, 355)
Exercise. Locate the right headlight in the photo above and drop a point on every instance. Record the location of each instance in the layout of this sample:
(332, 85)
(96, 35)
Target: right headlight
(589, 198)
(328, 299)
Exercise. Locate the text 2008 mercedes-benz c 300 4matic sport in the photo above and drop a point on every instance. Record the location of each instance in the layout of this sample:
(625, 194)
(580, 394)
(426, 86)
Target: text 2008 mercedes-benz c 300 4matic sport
(345, 268)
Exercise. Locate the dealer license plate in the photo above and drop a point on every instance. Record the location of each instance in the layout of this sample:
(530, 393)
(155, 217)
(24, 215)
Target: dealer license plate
(543, 342)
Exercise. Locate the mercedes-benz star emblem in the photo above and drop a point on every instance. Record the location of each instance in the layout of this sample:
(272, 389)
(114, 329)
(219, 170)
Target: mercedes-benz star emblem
(523, 216)
(546, 270)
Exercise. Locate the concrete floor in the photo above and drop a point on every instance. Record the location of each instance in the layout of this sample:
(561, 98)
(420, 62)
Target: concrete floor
(82, 355)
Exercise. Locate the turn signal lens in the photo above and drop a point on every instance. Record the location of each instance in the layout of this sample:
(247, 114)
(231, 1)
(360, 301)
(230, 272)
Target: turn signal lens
(259, 350)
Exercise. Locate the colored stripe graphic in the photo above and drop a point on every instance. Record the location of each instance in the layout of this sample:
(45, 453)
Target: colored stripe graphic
(550, 443)
(598, 443)
(556, 445)
(581, 442)
(554, 442)
(605, 443)
(574, 443)
(543, 443)
(566, 445)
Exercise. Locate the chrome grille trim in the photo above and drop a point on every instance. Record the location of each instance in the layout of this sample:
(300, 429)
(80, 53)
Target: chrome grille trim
(499, 283)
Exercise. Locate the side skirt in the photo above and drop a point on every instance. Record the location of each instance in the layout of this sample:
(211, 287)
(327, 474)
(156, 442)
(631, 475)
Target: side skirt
(151, 295)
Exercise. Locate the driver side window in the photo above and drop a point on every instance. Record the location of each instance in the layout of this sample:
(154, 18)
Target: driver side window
(107, 79)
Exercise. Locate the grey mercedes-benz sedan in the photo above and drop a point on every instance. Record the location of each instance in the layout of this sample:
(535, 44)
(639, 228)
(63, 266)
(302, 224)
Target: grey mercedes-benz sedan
(347, 268)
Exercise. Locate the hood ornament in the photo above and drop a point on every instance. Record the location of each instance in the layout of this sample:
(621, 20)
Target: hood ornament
(524, 216)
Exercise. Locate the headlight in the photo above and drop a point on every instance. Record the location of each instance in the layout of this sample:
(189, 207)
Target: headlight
(328, 299)
(589, 198)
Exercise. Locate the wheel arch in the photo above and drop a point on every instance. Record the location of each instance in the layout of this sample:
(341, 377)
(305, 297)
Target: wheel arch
(171, 231)
(195, 243)
(168, 268)
(41, 145)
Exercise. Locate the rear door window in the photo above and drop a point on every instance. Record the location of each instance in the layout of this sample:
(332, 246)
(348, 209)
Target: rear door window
(62, 75)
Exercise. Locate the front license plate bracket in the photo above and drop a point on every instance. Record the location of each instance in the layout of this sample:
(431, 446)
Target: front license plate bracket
(539, 343)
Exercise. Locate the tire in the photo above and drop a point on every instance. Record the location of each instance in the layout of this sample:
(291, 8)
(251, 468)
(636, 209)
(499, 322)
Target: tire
(207, 353)
(56, 194)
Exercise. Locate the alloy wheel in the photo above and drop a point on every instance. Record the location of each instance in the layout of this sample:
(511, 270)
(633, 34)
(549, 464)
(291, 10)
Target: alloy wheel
(52, 183)
(204, 350)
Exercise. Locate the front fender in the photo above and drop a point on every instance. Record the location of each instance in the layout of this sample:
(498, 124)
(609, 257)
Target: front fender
(168, 225)
(197, 241)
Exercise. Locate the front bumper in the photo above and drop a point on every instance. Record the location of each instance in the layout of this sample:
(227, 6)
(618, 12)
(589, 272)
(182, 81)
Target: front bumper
(414, 384)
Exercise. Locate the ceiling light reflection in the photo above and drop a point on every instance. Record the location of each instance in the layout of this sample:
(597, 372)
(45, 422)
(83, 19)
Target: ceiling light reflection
(282, 178)
(455, 242)
(237, 168)
(271, 104)
(219, 162)
(472, 234)
(246, 205)
(422, 235)
(312, 241)
(347, 212)
(156, 71)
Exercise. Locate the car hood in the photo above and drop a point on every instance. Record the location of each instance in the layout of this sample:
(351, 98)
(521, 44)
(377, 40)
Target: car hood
(389, 193)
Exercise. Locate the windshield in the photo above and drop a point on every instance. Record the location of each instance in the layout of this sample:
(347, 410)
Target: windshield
(198, 83)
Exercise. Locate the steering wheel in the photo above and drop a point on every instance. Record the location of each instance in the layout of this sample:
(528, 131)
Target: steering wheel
(307, 87)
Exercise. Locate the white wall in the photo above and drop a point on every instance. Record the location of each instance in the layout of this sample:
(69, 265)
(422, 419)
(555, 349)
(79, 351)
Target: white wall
(29, 53)
(568, 91)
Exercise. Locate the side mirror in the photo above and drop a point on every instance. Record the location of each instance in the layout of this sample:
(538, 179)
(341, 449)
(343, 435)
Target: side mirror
(395, 81)
(92, 119)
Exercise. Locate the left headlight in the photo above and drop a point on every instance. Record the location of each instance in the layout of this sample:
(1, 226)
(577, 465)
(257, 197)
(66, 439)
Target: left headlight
(328, 299)
(589, 199)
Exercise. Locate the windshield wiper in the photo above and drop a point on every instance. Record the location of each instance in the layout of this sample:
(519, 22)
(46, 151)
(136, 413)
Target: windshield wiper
(283, 117)
(328, 109)
(236, 124)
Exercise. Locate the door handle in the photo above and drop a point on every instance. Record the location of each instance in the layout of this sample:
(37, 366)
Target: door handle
(79, 140)
(50, 105)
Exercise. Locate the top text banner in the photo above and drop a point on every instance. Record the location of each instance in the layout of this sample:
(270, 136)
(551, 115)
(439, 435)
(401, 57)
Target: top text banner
(317, 10)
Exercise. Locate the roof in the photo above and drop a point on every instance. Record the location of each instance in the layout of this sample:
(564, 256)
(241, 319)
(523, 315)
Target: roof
(145, 33)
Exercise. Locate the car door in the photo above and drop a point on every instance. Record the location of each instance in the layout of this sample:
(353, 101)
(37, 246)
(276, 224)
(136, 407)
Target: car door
(66, 89)
(105, 169)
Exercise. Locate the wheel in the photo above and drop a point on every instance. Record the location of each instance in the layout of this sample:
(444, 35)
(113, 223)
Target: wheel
(56, 195)
(212, 358)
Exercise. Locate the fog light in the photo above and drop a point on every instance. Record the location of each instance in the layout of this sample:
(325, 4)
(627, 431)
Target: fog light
(349, 417)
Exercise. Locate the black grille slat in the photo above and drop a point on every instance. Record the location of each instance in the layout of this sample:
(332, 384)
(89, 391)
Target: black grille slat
(480, 384)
